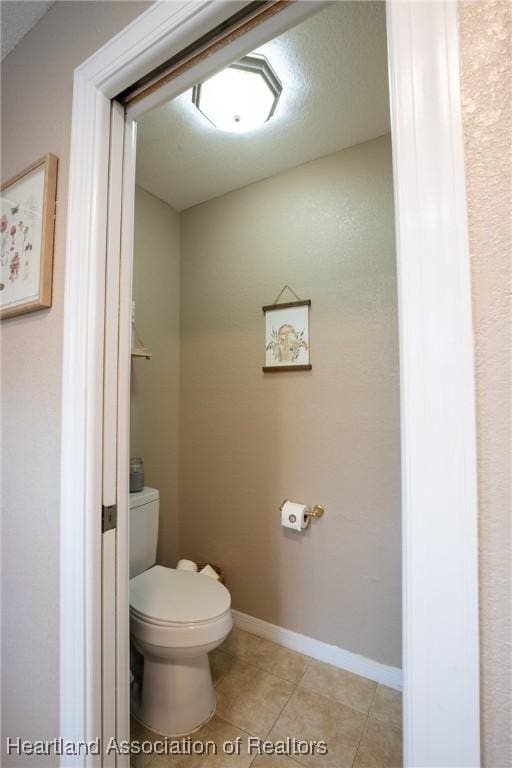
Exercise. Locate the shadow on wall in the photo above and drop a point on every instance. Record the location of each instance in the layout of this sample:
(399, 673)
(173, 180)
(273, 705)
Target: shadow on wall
(155, 383)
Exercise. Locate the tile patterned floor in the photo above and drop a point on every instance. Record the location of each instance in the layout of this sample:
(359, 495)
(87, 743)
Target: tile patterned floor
(266, 690)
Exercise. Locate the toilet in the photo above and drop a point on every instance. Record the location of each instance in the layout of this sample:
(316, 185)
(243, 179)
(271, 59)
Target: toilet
(176, 618)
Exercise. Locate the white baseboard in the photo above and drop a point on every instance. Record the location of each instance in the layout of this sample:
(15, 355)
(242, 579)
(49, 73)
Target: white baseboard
(330, 654)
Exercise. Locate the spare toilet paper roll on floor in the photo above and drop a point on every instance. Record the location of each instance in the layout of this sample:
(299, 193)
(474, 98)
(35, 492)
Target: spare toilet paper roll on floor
(293, 516)
(186, 565)
(208, 571)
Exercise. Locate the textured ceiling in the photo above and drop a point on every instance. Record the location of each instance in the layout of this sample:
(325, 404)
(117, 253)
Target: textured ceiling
(335, 94)
(17, 17)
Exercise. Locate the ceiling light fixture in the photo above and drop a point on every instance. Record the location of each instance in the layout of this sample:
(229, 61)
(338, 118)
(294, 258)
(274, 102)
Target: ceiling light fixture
(241, 97)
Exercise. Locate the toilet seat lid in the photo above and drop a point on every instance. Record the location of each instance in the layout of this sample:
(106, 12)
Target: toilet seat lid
(167, 596)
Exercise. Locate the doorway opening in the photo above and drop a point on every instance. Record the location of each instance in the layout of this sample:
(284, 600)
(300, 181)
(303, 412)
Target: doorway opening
(270, 185)
(440, 605)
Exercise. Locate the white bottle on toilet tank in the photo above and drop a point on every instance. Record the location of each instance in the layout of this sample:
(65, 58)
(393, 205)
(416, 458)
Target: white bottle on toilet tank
(144, 511)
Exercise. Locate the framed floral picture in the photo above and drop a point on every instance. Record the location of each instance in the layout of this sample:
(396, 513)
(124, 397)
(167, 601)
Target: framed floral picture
(287, 337)
(26, 238)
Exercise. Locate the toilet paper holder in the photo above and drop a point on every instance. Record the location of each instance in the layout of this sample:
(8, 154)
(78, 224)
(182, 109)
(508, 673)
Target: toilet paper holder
(317, 511)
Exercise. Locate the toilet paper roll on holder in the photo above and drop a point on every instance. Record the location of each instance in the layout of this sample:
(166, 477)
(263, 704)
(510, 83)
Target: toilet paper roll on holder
(315, 512)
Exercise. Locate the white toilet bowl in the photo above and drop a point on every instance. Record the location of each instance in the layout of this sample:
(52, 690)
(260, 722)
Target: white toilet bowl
(176, 618)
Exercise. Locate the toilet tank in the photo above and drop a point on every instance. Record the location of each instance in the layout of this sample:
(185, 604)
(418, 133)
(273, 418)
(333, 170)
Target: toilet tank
(144, 508)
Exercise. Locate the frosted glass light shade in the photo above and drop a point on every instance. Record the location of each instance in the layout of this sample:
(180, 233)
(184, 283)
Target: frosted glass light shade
(241, 97)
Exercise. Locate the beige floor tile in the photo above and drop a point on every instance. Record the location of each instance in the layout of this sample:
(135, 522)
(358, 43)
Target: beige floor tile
(311, 717)
(280, 661)
(220, 664)
(238, 643)
(274, 761)
(251, 698)
(266, 655)
(381, 746)
(387, 706)
(256, 682)
(140, 733)
(344, 687)
(212, 736)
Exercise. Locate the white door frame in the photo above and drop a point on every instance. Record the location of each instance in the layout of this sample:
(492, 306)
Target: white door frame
(439, 498)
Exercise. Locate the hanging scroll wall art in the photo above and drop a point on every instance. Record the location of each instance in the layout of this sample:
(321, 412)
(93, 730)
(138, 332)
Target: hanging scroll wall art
(287, 345)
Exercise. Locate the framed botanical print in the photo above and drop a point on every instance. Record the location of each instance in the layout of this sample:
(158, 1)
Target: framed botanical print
(26, 238)
(287, 337)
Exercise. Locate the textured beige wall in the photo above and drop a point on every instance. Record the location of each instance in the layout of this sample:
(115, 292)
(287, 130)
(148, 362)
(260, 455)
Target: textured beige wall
(486, 70)
(249, 440)
(155, 383)
(36, 118)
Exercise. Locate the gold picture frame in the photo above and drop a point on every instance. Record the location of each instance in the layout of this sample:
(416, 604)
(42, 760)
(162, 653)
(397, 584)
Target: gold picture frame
(27, 224)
